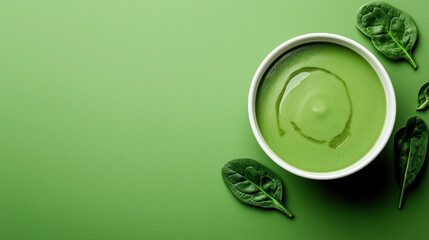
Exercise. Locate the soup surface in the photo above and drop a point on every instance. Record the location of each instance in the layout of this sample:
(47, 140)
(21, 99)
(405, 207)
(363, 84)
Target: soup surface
(320, 107)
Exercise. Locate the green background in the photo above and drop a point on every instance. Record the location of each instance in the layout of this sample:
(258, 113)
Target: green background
(116, 117)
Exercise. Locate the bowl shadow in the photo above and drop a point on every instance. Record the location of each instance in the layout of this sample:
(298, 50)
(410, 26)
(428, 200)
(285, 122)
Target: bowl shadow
(367, 185)
(372, 184)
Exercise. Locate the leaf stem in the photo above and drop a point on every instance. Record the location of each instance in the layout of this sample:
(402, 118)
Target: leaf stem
(405, 175)
(401, 197)
(411, 60)
(422, 106)
(283, 209)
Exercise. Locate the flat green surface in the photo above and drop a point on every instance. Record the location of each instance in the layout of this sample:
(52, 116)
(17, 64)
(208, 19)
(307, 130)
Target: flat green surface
(116, 116)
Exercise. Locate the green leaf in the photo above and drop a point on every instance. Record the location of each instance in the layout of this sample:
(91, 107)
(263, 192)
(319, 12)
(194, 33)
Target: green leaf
(254, 184)
(423, 98)
(410, 148)
(392, 31)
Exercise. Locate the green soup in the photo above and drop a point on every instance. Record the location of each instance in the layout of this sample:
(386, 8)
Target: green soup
(320, 107)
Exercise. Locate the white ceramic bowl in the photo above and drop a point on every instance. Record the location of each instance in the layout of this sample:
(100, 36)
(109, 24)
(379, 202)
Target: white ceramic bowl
(376, 65)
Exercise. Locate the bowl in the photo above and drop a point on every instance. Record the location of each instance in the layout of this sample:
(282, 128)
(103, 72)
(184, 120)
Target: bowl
(375, 64)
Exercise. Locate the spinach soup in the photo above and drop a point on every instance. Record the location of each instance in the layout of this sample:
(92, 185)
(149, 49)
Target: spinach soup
(320, 107)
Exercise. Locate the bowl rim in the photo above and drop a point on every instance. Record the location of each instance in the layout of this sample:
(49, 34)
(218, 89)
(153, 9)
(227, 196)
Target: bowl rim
(375, 64)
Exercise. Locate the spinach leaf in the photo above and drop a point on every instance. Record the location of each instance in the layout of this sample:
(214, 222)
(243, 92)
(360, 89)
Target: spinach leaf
(423, 98)
(392, 31)
(254, 184)
(410, 148)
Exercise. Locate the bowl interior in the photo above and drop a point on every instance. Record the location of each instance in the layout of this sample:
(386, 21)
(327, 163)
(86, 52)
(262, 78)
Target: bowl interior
(375, 64)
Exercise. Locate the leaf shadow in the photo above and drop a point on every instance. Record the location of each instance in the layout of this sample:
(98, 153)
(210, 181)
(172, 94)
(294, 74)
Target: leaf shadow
(416, 44)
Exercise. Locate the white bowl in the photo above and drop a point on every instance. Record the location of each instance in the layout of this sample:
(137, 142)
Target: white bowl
(375, 64)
